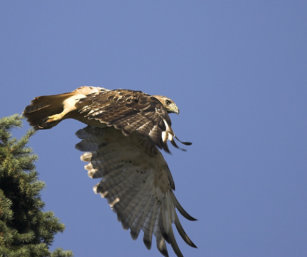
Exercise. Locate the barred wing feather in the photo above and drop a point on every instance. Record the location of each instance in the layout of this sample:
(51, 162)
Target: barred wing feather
(136, 181)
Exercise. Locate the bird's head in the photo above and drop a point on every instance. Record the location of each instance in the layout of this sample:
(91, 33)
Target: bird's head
(168, 104)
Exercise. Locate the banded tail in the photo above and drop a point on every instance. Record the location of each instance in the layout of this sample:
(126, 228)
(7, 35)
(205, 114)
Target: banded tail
(45, 112)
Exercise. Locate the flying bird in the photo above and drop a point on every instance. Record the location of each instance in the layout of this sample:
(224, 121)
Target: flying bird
(125, 130)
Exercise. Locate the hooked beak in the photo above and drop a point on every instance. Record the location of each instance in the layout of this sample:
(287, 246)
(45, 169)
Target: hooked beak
(175, 109)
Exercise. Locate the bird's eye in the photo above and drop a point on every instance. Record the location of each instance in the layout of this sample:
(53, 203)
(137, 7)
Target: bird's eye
(168, 102)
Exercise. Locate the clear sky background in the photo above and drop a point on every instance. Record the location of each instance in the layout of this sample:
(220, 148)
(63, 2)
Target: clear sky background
(237, 71)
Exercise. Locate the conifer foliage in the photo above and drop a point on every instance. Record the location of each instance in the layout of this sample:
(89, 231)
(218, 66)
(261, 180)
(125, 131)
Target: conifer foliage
(25, 230)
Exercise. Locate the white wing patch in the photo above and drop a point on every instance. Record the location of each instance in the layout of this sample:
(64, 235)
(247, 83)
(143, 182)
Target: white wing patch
(137, 183)
(168, 134)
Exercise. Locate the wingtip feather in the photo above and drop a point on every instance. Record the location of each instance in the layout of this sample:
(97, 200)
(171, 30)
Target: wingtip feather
(182, 233)
(183, 212)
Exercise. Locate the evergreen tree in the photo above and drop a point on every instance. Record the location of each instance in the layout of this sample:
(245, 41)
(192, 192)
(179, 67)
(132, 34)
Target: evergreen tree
(25, 230)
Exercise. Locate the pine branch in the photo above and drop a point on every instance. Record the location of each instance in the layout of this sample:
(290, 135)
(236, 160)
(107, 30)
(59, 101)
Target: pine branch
(25, 230)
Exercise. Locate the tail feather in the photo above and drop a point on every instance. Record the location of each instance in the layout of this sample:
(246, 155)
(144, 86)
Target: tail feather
(42, 107)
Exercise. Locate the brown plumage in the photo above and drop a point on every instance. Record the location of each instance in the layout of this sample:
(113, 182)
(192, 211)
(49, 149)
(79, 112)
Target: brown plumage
(125, 127)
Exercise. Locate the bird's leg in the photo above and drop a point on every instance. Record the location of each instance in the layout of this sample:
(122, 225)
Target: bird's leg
(69, 105)
(56, 117)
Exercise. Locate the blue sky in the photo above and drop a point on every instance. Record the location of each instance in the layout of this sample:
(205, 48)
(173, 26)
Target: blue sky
(237, 71)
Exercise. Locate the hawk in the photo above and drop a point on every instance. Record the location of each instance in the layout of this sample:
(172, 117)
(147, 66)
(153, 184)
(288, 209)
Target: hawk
(125, 130)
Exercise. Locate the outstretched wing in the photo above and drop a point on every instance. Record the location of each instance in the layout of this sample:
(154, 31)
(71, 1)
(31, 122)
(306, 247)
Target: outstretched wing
(129, 111)
(136, 182)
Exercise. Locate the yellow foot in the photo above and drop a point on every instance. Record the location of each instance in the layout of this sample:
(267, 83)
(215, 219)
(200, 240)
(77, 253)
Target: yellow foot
(55, 117)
